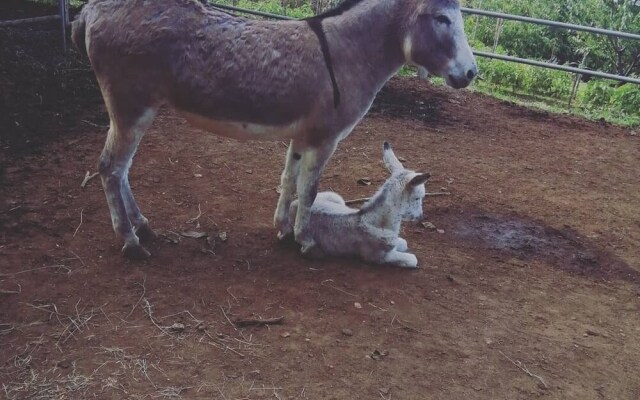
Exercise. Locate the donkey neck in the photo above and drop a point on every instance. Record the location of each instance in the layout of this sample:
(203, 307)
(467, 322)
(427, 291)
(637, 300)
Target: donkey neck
(366, 41)
(385, 209)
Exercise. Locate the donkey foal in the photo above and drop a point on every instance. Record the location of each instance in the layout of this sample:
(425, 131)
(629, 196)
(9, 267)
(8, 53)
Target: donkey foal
(373, 232)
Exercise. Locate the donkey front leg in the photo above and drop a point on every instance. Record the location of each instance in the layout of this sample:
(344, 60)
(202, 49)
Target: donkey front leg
(312, 164)
(288, 180)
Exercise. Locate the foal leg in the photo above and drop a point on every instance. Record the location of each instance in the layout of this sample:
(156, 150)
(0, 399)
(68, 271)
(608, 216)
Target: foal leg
(122, 140)
(281, 219)
(399, 259)
(401, 245)
(313, 162)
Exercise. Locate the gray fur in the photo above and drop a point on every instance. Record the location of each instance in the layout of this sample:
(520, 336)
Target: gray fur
(373, 232)
(250, 79)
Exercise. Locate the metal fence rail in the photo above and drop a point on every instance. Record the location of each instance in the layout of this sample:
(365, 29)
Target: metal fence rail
(573, 27)
(559, 67)
(583, 71)
(63, 16)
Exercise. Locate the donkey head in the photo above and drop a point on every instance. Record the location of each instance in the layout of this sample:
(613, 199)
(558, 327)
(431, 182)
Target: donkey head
(413, 191)
(435, 40)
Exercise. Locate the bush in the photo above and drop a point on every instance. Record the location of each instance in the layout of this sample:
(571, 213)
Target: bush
(626, 98)
(596, 95)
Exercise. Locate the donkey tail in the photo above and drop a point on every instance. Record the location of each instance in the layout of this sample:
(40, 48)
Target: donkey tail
(78, 31)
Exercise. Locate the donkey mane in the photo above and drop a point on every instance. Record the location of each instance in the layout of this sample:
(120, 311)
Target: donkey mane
(345, 5)
(379, 197)
(315, 23)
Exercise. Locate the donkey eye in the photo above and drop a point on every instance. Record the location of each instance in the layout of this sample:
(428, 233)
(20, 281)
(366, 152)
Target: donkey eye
(443, 19)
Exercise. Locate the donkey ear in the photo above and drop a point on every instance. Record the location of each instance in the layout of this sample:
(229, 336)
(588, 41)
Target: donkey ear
(390, 160)
(419, 179)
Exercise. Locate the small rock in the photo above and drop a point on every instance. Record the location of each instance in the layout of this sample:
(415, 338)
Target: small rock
(176, 328)
(364, 181)
(590, 332)
(197, 175)
(194, 234)
(357, 305)
(347, 332)
(384, 390)
(222, 236)
(440, 230)
(633, 133)
(201, 327)
(285, 334)
(429, 225)
(392, 302)
(249, 171)
(378, 355)
(488, 341)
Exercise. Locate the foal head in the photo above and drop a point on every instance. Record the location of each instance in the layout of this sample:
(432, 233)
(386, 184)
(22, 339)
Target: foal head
(412, 183)
(435, 40)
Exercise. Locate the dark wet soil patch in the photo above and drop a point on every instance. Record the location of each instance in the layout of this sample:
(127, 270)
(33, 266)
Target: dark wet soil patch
(531, 240)
(408, 104)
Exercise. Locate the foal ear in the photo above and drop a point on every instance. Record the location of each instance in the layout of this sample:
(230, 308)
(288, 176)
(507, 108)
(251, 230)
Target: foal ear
(419, 179)
(390, 160)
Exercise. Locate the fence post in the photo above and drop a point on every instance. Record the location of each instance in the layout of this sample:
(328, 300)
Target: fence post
(64, 20)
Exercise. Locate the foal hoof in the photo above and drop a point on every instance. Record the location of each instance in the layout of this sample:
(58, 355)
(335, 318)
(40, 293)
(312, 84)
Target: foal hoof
(135, 252)
(145, 233)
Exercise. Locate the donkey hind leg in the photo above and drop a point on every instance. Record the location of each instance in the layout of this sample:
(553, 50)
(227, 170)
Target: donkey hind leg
(139, 221)
(399, 259)
(281, 219)
(121, 144)
(313, 163)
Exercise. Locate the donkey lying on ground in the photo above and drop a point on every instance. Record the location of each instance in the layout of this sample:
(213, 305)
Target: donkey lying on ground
(373, 232)
(253, 79)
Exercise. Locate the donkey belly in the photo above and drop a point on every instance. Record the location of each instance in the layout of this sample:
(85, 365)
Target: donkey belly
(244, 130)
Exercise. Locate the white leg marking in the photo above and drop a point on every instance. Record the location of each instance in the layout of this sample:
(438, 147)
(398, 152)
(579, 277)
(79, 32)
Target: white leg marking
(288, 180)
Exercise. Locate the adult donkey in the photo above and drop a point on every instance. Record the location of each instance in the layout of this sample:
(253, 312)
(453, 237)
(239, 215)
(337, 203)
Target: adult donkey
(308, 81)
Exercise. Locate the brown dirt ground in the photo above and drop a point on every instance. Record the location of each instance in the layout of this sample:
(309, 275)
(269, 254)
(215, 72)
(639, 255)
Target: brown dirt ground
(537, 268)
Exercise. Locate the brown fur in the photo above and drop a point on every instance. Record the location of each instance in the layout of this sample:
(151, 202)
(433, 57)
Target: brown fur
(247, 79)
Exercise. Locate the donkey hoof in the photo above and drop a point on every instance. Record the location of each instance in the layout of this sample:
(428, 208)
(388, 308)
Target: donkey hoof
(313, 252)
(145, 233)
(135, 252)
(285, 236)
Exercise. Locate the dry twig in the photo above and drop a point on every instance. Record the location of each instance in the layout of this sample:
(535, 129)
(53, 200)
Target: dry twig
(79, 225)
(524, 369)
(323, 283)
(87, 177)
(194, 219)
(258, 321)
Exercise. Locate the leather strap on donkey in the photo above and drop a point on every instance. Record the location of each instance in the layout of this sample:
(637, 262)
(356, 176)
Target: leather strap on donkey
(316, 26)
(315, 23)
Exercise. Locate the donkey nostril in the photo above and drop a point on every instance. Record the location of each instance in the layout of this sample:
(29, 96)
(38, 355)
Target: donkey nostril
(471, 74)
